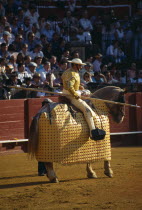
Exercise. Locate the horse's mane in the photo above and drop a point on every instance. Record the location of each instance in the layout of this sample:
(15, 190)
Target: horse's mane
(108, 93)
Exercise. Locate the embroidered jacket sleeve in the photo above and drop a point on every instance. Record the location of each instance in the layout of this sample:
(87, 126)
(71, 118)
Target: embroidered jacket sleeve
(71, 82)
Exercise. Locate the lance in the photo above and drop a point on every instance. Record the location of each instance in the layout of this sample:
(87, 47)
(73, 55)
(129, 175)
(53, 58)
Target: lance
(82, 97)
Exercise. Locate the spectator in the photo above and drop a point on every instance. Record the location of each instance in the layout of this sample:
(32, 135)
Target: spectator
(27, 60)
(24, 49)
(111, 51)
(54, 64)
(58, 82)
(86, 79)
(20, 58)
(4, 50)
(98, 78)
(62, 67)
(35, 30)
(22, 74)
(21, 31)
(71, 5)
(32, 14)
(66, 54)
(20, 15)
(13, 80)
(8, 71)
(119, 34)
(31, 41)
(26, 25)
(18, 42)
(48, 32)
(12, 61)
(37, 51)
(132, 72)
(3, 23)
(14, 25)
(2, 9)
(109, 78)
(108, 36)
(103, 68)
(97, 63)
(46, 70)
(47, 50)
(12, 36)
(38, 61)
(11, 50)
(75, 54)
(70, 23)
(87, 68)
(41, 23)
(31, 69)
(85, 23)
(43, 40)
(54, 24)
(36, 81)
(49, 81)
(6, 38)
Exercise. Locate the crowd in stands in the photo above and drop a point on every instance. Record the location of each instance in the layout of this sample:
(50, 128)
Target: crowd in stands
(34, 50)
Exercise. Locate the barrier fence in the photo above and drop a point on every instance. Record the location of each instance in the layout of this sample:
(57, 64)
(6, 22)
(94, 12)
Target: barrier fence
(16, 116)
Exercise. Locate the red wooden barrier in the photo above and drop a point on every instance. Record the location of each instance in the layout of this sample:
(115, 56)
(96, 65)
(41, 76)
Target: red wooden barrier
(16, 116)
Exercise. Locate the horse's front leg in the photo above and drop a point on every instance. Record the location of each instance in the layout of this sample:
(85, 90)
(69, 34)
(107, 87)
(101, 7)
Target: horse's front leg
(108, 171)
(50, 172)
(90, 172)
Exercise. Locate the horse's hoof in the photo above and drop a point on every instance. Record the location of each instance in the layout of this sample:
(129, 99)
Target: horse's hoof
(55, 180)
(110, 175)
(92, 176)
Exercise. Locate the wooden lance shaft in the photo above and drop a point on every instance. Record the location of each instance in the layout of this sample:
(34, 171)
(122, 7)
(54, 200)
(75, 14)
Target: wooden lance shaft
(82, 97)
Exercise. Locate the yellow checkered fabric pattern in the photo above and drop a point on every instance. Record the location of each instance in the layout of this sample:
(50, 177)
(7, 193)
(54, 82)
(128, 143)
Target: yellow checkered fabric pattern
(67, 140)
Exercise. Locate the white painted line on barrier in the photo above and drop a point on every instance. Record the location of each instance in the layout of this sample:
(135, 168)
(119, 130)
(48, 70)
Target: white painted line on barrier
(13, 141)
(112, 134)
(126, 133)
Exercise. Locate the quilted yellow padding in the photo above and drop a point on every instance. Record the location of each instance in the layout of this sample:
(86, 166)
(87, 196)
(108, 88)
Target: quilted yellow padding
(67, 140)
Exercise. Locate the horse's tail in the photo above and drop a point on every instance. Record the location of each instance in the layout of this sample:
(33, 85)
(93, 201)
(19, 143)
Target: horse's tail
(33, 136)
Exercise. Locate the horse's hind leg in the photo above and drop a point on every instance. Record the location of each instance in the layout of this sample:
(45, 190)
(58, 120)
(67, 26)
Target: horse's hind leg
(51, 173)
(108, 171)
(90, 172)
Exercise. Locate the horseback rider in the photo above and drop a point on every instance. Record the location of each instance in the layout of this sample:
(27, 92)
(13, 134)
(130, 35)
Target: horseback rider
(71, 84)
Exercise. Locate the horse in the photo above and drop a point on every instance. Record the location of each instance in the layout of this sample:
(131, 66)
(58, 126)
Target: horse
(53, 136)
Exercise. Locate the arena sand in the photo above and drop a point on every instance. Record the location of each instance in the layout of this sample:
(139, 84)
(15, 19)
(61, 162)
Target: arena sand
(21, 188)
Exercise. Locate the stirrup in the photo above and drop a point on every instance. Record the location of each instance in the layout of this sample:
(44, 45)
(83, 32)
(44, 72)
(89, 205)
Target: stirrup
(97, 134)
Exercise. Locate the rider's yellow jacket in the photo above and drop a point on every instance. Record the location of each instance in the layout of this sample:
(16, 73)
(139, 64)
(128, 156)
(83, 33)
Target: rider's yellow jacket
(71, 81)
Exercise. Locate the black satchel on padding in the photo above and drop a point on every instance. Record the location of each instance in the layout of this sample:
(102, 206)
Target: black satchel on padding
(98, 134)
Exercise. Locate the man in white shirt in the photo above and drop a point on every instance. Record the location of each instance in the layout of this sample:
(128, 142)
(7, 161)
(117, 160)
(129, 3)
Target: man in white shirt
(22, 74)
(97, 63)
(46, 70)
(31, 69)
(37, 51)
(6, 38)
(32, 14)
(85, 23)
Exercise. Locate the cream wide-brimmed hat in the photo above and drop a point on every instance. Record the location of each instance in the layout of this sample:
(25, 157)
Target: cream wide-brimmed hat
(77, 61)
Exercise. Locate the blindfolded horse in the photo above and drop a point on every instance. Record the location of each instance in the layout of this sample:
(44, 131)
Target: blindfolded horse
(58, 134)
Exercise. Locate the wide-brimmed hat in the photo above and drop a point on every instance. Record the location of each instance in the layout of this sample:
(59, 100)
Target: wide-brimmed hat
(77, 61)
(99, 55)
(32, 64)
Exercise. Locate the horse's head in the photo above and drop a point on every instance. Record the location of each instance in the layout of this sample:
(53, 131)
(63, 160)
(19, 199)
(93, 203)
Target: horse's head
(113, 93)
(117, 111)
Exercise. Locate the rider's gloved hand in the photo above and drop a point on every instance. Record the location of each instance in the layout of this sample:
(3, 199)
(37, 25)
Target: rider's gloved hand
(76, 96)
